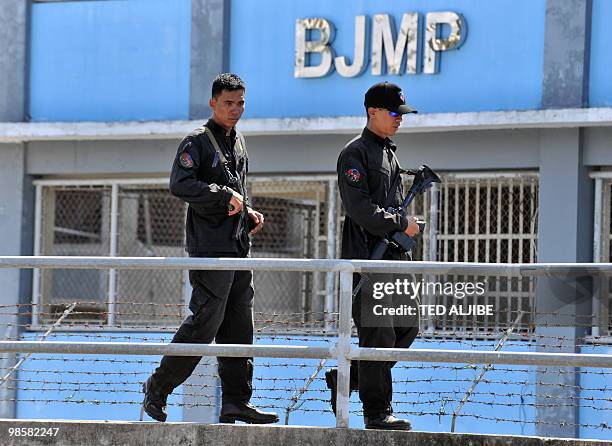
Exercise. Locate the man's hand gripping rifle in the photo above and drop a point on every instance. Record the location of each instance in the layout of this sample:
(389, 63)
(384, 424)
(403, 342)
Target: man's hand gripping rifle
(424, 178)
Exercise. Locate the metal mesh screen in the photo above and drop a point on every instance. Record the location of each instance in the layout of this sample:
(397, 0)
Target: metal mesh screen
(296, 215)
(151, 223)
(75, 222)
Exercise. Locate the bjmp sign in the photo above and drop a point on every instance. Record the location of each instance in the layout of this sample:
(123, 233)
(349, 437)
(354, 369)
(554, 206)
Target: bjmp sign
(383, 42)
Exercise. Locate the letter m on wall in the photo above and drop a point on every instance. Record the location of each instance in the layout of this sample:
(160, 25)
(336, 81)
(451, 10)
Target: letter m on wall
(383, 37)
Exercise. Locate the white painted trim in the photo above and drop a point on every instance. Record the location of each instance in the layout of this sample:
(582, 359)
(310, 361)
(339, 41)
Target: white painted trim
(597, 221)
(112, 273)
(104, 182)
(423, 123)
(492, 175)
(330, 278)
(36, 310)
(254, 178)
(164, 181)
(601, 174)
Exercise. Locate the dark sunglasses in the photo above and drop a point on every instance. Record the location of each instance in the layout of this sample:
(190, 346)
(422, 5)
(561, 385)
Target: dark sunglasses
(392, 113)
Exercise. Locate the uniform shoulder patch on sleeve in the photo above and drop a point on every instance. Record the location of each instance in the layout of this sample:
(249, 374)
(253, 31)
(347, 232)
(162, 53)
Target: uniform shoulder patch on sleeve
(185, 158)
(354, 175)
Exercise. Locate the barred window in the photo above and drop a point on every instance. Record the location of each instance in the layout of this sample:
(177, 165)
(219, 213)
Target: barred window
(489, 218)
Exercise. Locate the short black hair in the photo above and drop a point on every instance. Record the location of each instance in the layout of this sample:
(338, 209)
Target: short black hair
(226, 81)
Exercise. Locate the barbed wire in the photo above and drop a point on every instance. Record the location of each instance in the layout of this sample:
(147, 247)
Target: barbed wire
(263, 397)
(278, 392)
(91, 387)
(297, 382)
(466, 368)
(326, 335)
(441, 413)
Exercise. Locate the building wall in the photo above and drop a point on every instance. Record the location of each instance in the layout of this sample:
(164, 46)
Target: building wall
(600, 87)
(446, 151)
(110, 60)
(503, 149)
(498, 67)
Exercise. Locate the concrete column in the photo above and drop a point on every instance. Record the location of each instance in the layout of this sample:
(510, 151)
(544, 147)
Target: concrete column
(202, 393)
(16, 223)
(565, 234)
(209, 51)
(13, 32)
(563, 304)
(567, 43)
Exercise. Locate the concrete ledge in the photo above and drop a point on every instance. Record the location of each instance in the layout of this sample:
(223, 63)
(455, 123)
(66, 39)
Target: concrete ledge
(423, 123)
(182, 434)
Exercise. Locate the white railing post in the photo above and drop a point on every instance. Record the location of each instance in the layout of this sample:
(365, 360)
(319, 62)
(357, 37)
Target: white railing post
(331, 253)
(112, 273)
(36, 298)
(343, 347)
(597, 257)
(432, 224)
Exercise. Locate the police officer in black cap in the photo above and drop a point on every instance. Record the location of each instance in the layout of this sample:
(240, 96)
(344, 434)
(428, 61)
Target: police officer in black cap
(209, 173)
(367, 168)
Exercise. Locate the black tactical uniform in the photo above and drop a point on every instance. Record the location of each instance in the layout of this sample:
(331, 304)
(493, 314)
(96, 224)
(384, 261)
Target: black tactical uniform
(221, 301)
(201, 178)
(366, 170)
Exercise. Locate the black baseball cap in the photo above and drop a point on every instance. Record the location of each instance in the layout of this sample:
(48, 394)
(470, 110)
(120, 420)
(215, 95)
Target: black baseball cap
(389, 96)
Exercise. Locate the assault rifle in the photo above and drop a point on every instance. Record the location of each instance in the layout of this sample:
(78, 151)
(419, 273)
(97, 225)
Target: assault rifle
(424, 178)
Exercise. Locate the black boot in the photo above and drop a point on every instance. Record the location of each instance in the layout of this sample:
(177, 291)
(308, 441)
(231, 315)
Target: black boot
(331, 379)
(154, 403)
(386, 421)
(245, 412)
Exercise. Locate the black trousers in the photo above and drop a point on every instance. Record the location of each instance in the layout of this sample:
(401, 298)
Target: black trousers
(373, 378)
(222, 307)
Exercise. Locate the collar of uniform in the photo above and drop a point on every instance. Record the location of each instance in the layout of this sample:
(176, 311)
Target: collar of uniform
(382, 142)
(218, 130)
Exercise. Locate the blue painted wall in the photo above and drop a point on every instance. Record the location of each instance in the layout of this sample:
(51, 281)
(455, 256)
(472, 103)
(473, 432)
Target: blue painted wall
(499, 66)
(596, 412)
(600, 81)
(84, 378)
(110, 60)
(427, 394)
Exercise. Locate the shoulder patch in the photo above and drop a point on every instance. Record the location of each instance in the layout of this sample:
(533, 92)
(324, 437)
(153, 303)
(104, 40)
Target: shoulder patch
(185, 159)
(353, 175)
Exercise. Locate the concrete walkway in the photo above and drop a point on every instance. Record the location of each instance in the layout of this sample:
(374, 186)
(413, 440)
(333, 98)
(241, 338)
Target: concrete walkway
(112, 433)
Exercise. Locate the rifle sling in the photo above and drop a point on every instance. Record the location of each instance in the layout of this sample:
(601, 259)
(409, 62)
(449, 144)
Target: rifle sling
(394, 184)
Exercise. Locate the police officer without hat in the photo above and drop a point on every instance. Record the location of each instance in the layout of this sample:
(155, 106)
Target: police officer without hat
(209, 173)
(366, 167)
